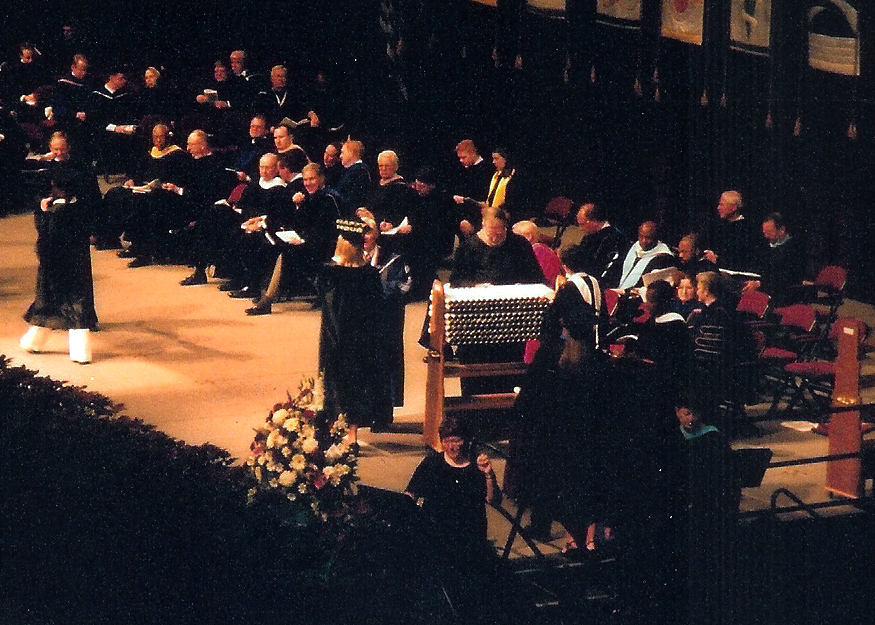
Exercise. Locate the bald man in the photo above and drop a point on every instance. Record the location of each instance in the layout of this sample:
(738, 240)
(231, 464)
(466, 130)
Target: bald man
(646, 255)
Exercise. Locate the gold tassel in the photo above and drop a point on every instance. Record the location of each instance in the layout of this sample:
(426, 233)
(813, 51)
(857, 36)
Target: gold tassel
(723, 100)
(656, 96)
(704, 99)
(518, 61)
(592, 75)
(797, 127)
(769, 120)
(852, 131)
(637, 87)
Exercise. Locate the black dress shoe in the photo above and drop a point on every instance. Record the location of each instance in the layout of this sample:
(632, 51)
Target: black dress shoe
(142, 261)
(263, 308)
(230, 285)
(194, 279)
(244, 293)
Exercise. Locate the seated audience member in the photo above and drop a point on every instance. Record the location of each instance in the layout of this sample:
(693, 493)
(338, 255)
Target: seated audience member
(734, 237)
(313, 218)
(284, 140)
(224, 231)
(646, 255)
(353, 185)
(205, 182)
(112, 116)
(243, 77)
(69, 102)
(332, 166)
(13, 152)
(454, 489)
(156, 103)
(782, 260)
(665, 341)
(720, 343)
(352, 335)
(547, 258)
(433, 222)
(250, 151)
(389, 202)
(601, 251)
(125, 208)
(280, 101)
(685, 301)
(691, 259)
(396, 281)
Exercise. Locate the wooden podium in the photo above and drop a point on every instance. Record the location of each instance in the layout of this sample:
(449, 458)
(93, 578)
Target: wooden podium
(844, 477)
(437, 403)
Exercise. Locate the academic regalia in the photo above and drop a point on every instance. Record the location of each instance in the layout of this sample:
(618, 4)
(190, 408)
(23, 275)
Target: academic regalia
(352, 188)
(64, 287)
(601, 254)
(351, 343)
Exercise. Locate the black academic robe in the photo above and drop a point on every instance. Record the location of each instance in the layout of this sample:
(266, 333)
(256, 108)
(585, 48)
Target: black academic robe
(351, 345)
(781, 267)
(64, 287)
(352, 188)
(513, 262)
(601, 254)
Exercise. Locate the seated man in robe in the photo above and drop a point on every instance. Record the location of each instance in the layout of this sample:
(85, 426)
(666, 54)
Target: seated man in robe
(123, 206)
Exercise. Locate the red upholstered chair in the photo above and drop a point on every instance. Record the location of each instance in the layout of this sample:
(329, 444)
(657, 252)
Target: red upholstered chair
(827, 290)
(792, 340)
(811, 381)
(753, 307)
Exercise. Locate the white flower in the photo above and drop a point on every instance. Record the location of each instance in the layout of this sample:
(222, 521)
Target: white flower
(318, 394)
(262, 459)
(308, 431)
(335, 452)
(309, 445)
(258, 473)
(302, 488)
(273, 483)
(341, 469)
(287, 478)
(280, 416)
(272, 439)
(328, 472)
(250, 461)
(287, 451)
(299, 462)
(292, 424)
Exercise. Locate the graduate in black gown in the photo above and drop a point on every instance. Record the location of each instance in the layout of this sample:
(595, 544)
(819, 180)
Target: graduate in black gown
(352, 335)
(64, 286)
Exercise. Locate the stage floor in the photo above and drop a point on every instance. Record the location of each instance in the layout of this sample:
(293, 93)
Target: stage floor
(190, 362)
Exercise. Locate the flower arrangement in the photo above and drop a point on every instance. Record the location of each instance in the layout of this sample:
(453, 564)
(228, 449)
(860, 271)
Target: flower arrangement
(301, 453)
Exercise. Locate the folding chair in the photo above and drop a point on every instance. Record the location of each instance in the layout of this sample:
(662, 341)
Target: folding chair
(816, 378)
(557, 214)
(792, 339)
(827, 290)
(753, 307)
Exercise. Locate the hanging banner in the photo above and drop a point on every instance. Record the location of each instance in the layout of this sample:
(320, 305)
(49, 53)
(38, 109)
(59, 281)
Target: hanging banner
(550, 8)
(619, 13)
(834, 38)
(750, 25)
(683, 20)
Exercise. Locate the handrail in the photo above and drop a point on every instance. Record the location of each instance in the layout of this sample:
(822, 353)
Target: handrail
(787, 493)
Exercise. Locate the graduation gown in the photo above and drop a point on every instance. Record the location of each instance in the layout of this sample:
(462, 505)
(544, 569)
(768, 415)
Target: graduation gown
(64, 287)
(351, 342)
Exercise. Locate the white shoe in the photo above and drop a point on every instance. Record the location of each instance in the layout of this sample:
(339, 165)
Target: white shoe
(35, 339)
(80, 346)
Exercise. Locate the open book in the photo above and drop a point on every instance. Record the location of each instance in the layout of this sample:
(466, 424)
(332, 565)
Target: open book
(289, 236)
(669, 274)
(404, 222)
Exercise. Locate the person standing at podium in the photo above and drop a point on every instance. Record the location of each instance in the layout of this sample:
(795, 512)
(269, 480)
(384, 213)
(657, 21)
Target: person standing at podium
(493, 256)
